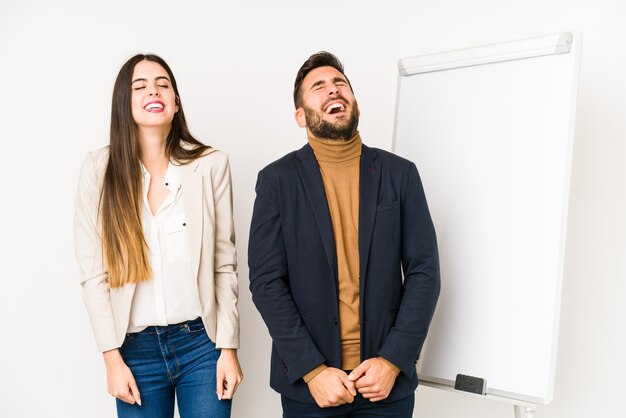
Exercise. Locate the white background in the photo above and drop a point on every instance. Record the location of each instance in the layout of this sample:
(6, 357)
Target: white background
(235, 62)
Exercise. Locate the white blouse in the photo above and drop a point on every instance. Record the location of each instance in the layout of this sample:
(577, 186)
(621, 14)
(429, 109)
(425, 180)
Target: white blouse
(171, 295)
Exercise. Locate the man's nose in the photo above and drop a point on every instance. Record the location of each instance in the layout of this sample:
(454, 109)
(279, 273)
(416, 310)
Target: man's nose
(333, 90)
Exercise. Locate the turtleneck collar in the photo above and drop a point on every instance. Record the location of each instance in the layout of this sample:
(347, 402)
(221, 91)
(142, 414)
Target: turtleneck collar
(336, 151)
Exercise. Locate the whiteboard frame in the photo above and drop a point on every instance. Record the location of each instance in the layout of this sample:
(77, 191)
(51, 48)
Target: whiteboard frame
(557, 43)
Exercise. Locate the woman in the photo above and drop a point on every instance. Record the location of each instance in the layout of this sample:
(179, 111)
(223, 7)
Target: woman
(155, 242)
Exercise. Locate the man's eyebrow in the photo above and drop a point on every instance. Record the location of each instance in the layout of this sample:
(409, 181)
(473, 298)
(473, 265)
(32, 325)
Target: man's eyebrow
(323, 82)
(318, 83)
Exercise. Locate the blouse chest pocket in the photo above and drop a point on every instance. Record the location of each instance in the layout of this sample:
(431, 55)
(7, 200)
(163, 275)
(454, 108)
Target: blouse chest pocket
(176, 241)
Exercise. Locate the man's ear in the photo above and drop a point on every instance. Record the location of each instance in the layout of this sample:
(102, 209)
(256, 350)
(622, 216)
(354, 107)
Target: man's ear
(300, 117)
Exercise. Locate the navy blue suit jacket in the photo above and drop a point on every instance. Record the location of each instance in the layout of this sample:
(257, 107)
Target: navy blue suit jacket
(293, 267)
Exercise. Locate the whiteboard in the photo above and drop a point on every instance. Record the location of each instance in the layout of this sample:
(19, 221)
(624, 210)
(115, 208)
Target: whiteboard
(490, 130)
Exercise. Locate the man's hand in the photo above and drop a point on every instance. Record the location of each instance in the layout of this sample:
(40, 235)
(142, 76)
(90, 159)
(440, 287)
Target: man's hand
(374, 379)
(229, 374)
(120, 380)
(332, 388)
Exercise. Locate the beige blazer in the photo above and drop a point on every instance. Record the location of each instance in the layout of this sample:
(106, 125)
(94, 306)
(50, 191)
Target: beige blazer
(207, 196)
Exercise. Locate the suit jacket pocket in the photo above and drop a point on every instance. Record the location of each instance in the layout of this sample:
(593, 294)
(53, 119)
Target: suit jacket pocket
(388, 206)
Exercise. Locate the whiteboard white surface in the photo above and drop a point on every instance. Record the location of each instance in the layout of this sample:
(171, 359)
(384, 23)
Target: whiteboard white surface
(493, 143)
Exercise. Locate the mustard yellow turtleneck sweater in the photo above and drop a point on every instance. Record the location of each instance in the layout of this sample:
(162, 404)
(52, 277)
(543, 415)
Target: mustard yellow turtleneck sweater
(339, 163)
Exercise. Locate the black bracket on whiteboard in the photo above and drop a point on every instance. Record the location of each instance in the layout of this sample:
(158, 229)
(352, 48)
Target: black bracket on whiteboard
(470, 384)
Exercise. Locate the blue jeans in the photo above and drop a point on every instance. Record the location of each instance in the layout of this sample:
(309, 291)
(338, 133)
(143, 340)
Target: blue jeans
(361, 407)
(173, 361)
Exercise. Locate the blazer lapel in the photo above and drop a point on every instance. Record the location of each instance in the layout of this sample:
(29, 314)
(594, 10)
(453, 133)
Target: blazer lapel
(309, 171)
(193, 197)
(368, 199)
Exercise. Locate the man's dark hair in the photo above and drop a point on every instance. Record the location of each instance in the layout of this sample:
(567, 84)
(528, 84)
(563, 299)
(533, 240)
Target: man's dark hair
(319, 59)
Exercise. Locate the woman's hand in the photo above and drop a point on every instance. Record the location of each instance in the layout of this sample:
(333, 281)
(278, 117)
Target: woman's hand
(120, 380)
(229, 373)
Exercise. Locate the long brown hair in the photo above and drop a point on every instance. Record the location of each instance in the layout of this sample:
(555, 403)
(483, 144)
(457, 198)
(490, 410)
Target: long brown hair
(124, 245)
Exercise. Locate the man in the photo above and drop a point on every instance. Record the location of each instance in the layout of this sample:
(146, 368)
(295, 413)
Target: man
(335, 226)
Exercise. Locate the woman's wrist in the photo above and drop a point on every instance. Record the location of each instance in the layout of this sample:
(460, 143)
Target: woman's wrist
(229, 352)
(112, 358)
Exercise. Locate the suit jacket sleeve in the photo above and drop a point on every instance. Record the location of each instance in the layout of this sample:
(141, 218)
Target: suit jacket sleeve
(420, 265)
(225, 275)
(269, 284)
(94, 277)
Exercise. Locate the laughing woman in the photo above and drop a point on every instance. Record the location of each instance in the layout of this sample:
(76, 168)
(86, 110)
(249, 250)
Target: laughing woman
(155, 242)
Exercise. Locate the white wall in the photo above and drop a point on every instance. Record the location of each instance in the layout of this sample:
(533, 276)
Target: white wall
(235, 62)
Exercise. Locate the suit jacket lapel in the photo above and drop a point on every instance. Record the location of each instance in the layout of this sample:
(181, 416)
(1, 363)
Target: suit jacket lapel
(368, 199)
(193, 197)
(309, 171)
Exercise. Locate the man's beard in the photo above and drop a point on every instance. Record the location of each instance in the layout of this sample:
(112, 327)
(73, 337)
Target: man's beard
(322, 129)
